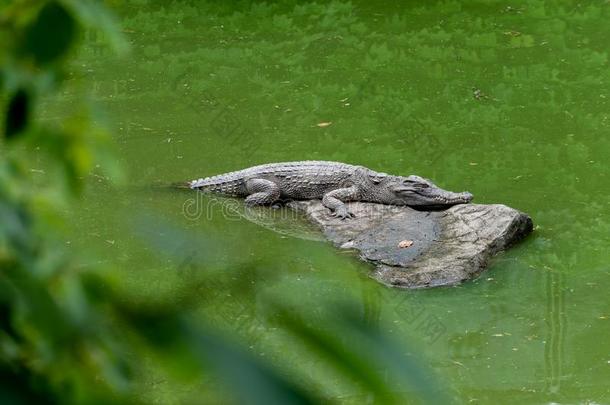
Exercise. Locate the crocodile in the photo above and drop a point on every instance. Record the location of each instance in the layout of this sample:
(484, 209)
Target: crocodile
(334, 183)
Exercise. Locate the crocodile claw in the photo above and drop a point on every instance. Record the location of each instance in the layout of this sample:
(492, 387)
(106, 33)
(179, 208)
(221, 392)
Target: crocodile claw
(342, 213)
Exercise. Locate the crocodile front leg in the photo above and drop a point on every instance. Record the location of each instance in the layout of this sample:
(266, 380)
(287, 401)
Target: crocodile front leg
(334, 200)
(262, 192)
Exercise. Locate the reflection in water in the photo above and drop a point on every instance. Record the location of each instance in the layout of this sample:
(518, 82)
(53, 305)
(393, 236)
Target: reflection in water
(556, 323)
(281, 220)
(371, 301)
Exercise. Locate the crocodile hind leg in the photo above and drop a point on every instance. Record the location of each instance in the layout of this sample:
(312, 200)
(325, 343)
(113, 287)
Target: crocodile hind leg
(334, 200)
(262, 192)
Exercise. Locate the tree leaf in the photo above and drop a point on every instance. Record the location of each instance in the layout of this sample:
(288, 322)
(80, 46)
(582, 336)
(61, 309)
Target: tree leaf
(50, 35)
(367, 352)
(95, 15)
(251, 380)
(247, 378)
(17, 114)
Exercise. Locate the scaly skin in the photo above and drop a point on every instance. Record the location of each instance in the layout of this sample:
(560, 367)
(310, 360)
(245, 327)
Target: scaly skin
(333, 182)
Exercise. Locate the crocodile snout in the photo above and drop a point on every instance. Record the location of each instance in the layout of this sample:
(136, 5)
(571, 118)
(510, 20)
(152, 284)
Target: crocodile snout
(467, 196)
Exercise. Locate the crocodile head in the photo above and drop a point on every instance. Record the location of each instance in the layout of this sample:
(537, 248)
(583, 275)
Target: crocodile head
(417, 191)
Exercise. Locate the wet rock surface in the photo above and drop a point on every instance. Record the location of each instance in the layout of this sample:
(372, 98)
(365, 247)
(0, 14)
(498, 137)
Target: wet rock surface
(422, 249)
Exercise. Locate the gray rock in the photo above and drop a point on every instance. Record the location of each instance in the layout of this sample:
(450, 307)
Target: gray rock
(448, 247)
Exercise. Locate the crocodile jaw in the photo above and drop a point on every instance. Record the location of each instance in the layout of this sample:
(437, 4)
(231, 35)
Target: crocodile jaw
(438, 197)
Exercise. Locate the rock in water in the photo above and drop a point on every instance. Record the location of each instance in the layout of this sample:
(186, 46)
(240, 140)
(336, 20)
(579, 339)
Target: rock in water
(422, 249)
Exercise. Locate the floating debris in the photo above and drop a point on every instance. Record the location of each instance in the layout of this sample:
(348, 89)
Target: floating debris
(478, 94)
(403, 244)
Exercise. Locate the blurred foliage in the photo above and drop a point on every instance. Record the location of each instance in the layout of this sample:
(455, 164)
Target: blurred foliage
(68, 335)
(510, 100)
(507, 100)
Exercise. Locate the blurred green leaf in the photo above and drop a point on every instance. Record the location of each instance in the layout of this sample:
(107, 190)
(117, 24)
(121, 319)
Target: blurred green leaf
(16, 388)
(370, 359)
(18, 113)
(251, 381)
(330, 347)
(407, 370)
(50, 35)
(248, 379)
(95, 15)
(15, 227)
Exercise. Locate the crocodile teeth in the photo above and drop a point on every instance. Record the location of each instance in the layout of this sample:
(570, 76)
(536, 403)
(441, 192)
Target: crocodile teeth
(447, 200)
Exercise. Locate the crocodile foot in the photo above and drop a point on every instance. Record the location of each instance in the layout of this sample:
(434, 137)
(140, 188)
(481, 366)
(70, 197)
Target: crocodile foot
(342, 213)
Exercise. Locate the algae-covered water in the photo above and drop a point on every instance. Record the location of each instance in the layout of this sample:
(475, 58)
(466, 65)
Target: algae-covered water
(510, 101)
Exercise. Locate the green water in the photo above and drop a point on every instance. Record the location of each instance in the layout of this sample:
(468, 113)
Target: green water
(508, 102)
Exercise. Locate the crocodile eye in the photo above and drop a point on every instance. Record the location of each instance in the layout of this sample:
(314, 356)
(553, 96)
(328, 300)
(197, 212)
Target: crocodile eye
(422, 185)
(376, 179)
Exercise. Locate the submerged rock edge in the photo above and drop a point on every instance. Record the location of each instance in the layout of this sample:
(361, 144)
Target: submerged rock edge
(468, 236)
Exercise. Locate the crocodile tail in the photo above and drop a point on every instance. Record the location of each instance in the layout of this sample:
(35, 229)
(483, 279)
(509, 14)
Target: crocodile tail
(196, 183)
(181, 184)
(170, 186)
